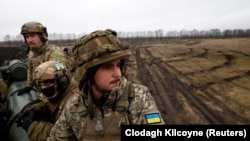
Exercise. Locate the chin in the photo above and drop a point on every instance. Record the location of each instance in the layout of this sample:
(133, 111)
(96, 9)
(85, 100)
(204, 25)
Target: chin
(115, 88)
(116, 85)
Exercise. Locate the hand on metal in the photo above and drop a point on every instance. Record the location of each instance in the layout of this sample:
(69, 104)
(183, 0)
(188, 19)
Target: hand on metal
(25, 118)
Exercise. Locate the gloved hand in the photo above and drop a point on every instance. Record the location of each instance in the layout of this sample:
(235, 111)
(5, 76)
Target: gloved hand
(25, 118)
(24, 90)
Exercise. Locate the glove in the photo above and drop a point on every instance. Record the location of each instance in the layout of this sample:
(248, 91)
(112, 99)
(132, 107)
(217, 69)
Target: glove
(25, 118)
(3, 109)
(24, 90)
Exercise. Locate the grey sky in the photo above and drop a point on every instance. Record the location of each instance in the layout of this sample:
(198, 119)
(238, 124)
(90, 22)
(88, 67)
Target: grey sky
(83, 16)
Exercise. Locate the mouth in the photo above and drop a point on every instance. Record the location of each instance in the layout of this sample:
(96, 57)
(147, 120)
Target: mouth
(31, 44)
(116, 81)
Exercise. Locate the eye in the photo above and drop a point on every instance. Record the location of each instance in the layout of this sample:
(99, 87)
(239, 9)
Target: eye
(119, 64)
(108, 67)
(46, 84)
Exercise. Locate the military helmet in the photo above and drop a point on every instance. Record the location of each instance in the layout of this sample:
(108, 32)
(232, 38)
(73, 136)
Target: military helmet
(96, 48)
(31, 27)
(52, 72)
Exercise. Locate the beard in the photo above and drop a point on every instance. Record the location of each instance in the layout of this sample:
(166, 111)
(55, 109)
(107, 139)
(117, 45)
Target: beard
(35, 48)
(106, 89)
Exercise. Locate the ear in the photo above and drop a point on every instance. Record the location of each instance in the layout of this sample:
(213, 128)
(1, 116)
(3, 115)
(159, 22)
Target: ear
(63, 80)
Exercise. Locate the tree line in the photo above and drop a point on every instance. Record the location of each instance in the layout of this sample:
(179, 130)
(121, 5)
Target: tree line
(69, 38)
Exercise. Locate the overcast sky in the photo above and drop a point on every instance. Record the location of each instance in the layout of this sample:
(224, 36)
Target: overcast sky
(83, 16)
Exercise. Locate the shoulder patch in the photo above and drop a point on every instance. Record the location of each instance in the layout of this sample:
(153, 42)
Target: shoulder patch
(153, 118)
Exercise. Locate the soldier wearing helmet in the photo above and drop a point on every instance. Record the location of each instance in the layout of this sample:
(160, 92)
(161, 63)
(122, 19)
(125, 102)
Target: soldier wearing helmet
(35, 30)
(56, 85)
(39, 50)
(107, 99)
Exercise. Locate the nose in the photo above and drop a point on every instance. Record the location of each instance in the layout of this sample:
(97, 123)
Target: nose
(117, 72)
(28, 38)
(42, 85)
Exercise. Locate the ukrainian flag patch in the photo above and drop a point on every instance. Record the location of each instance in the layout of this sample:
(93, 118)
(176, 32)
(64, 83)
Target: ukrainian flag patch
(59, 66)
(153, 118)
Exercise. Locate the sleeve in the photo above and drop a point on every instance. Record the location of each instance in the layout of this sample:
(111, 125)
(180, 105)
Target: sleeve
(3, 90)
(143, 108)
(39, 131)
(30, 82)
(68, 125)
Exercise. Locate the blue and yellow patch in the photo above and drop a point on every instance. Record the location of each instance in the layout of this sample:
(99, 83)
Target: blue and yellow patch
(39, 25)
(59, 66)
(153, 118)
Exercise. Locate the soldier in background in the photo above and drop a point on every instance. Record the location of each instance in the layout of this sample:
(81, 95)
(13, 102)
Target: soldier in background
(108, 100)
(39, 50)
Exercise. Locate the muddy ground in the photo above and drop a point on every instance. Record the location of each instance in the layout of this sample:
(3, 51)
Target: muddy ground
(196, 81)
(192, 81)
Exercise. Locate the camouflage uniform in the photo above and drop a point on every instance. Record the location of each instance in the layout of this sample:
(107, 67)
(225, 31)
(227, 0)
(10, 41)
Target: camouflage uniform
(3, 90)
(86, 119)
(3, 109)
(49, 53)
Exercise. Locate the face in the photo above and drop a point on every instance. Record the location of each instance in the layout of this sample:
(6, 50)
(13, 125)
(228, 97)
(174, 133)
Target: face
(33, 40)
(47, 88)
(107, 76)
(44, 85)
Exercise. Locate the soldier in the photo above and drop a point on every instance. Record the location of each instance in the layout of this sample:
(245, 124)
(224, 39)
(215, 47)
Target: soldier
(39, 50)
(54, 81)
(107, 100)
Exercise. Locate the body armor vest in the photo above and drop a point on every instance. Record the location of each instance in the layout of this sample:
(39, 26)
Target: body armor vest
(107, 128)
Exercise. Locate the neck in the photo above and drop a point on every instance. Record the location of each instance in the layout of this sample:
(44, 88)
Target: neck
(96, 93)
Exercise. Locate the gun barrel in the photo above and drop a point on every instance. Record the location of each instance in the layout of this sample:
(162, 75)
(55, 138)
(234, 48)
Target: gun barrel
(4, 68)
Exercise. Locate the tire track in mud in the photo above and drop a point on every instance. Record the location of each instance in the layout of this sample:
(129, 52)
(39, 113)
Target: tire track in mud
(175, 85)
(172, 82)
(161, 102)
(190, 94)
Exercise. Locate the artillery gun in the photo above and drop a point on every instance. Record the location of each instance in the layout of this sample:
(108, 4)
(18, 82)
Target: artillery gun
(14, 73)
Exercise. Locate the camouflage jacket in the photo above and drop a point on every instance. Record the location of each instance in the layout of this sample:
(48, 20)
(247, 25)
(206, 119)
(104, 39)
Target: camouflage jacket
(75, 123)
(48, 113)
(3, 90)
(49, 53)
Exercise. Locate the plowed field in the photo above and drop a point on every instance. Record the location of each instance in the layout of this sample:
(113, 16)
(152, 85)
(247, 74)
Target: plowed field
(196, 81)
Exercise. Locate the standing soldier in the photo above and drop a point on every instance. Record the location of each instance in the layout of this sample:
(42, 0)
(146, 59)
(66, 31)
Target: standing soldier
(108, 100)
(39, 50)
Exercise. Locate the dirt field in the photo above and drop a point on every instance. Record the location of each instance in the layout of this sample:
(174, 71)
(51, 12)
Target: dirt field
(192, 81)
(9, 53)
(196, 81)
